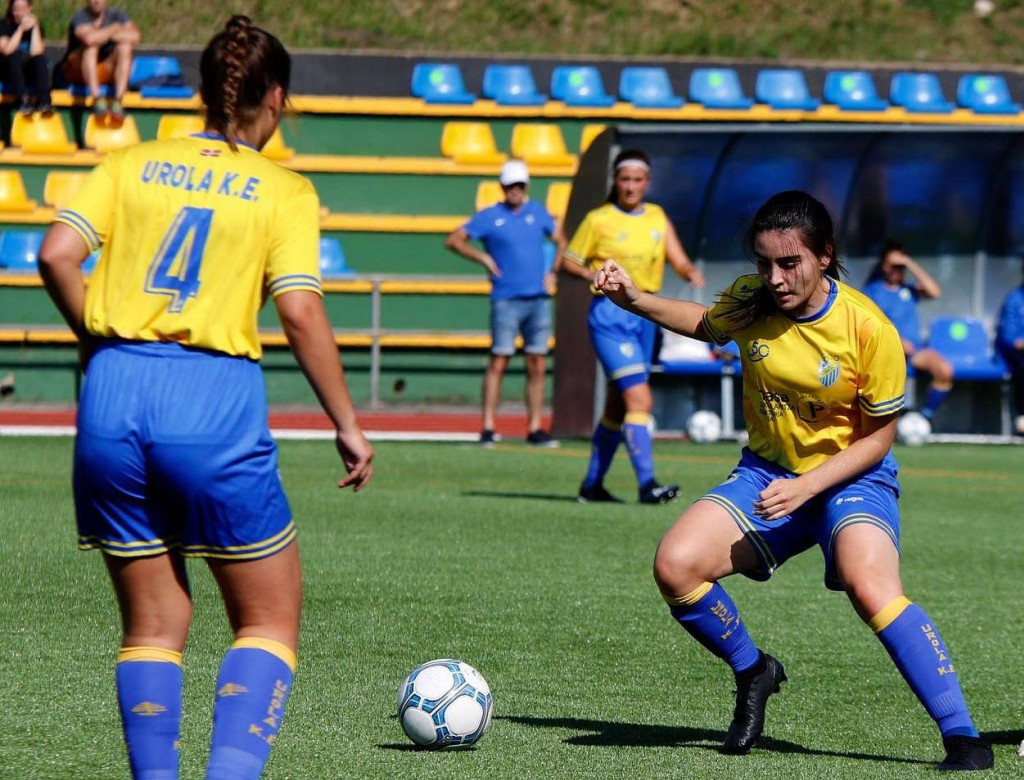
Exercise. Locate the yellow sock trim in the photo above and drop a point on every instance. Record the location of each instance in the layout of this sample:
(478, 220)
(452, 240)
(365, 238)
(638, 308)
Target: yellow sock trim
(149, 654)
(611, 425)
(637, 418)
(888, 614)
(271, 646)
(690, 598)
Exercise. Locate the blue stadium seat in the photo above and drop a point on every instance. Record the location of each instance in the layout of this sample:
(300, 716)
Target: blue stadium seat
(332, 259)
(81, 90)
(579, 85)
(919, 92)
(19, 249)
(440, 82)
(784, 88)
(852, 90)
(964, 342)
(985, 94)
(158, 77)
(648, 87)
(512, 85)
(717, 88)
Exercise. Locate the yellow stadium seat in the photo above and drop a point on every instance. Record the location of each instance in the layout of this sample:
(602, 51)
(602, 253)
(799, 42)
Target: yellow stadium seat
(61, 186)
(41, 134)
(558, 198)
(178, 126)
(470, 142)
(540, 145)
(275, 148)
(12, 192)
(588, 134)
(488, 193)
(105, 135)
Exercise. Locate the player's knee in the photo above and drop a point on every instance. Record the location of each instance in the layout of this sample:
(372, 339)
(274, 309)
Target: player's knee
(677, 569)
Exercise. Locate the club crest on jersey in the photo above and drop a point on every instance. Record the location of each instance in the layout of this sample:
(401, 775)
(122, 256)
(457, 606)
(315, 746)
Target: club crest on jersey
(757, 351)
(656, 236)
(626, 349)
(828, 371)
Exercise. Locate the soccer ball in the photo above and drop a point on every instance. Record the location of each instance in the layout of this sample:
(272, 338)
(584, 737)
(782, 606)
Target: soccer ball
(913, 429)
(704, 427)
(445, 703)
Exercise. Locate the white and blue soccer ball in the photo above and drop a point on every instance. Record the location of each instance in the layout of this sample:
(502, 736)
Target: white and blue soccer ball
(704, 427)
(913, 429)
(445, 703)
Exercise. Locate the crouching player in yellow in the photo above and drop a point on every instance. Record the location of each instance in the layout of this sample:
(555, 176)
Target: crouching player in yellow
(823, 376)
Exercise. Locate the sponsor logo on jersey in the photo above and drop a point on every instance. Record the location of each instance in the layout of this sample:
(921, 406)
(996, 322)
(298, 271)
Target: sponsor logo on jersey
(232, 689)
(757, 350)
(148, 709)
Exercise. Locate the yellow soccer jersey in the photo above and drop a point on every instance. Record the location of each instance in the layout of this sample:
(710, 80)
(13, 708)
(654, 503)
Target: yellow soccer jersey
(808, 383)
(634, 241)
(194, 238)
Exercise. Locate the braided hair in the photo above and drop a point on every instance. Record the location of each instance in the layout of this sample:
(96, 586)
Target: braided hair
(237, 69)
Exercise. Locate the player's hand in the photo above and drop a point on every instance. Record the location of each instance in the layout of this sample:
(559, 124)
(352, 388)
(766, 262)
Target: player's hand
(696, 278)
(780, 498)
(357, 455)
(613, 281)
(551, 282)
(28, 22)
(488, 262)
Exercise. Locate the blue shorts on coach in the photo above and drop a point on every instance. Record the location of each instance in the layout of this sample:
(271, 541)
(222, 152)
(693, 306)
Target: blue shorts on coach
(173, 452)
(511, 317)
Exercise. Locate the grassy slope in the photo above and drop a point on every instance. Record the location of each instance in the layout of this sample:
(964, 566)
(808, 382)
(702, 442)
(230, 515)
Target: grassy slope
(937, 31)
(486, 556)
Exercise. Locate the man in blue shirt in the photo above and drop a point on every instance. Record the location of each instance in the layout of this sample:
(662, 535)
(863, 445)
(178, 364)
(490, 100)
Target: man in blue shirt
(1010, 343)
(513, 233)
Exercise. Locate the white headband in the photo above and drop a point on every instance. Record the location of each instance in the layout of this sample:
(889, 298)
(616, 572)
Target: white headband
(632, 161)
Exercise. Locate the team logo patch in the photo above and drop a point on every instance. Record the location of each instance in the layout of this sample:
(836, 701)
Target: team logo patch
(529, 219)
(148, 709)
(655, 236)
(757, 350)
(626, 349)
(210, 152)
(828, 371)
(905, 294)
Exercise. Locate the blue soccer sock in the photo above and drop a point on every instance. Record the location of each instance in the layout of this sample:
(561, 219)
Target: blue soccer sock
(252, 687)
(637, 433)
(710, 616)
(919, 653)
(607, 436)
(149, 681)
(933, 400)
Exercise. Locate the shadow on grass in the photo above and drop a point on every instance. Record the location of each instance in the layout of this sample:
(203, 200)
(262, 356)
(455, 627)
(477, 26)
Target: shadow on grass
(602, 733)
(1011, 737)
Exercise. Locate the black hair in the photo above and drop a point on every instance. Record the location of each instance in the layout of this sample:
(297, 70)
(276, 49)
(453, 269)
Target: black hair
(890, 245)
(621, 157)
(238, 67)
(806, 216)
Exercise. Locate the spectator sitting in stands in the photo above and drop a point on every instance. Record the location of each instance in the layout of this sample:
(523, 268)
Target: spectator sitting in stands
(1010, 343)
(23, 55)
(888, 288)
(101, 42)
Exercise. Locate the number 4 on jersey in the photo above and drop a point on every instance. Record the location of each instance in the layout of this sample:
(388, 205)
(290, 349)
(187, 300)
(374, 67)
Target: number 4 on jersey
(175, 269)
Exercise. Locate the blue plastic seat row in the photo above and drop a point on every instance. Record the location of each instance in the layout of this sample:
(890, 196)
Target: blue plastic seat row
(19, 252)
(152, 76)
(651, 87)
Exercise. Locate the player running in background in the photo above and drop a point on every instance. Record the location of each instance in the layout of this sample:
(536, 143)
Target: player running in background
(173, 456)
(823, 383)
(638, 236)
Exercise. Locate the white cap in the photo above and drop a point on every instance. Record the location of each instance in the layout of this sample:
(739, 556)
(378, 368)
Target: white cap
(514, 172)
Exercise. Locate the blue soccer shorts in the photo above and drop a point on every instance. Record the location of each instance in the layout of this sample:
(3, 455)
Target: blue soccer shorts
(869, 498)
(530, 317)
(623, 342)
(173, 452)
